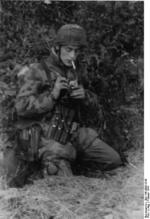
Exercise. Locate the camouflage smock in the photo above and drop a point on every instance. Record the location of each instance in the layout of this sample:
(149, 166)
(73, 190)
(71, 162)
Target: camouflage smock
(35, 103)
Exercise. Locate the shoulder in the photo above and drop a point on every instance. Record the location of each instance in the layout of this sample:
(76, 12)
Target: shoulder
(36, 72)
(33, 71)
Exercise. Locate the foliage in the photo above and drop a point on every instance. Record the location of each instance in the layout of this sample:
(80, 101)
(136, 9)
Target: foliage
(114, 59)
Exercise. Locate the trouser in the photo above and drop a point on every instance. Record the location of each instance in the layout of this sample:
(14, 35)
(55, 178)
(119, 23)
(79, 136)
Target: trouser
(85, 147)
(93, 151)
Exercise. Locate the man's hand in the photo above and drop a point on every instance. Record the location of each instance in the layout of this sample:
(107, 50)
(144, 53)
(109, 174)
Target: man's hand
(60, 84)
(78, 93)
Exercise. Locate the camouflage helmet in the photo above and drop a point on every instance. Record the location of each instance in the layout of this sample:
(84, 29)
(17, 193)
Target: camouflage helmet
(71, 34)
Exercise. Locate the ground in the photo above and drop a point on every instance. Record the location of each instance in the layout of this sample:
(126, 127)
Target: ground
(117, 194)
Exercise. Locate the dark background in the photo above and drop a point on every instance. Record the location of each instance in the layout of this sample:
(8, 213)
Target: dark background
(114, 58)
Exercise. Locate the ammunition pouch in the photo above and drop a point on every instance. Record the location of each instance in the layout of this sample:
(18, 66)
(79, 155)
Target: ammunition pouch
(27, 140)
(61, 124)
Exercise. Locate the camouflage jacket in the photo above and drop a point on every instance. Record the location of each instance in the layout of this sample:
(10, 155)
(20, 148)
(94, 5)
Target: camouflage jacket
(34, 97)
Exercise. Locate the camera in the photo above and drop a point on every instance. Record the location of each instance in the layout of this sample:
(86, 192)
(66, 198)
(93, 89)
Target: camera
(73, 84)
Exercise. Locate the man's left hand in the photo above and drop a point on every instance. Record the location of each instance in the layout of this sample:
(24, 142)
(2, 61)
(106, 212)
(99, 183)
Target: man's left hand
(78, 93)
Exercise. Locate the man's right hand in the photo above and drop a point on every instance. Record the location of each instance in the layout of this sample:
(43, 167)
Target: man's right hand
(60, 84)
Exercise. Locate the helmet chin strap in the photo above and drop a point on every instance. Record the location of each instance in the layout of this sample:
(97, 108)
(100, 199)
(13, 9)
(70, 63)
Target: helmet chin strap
(57, 53)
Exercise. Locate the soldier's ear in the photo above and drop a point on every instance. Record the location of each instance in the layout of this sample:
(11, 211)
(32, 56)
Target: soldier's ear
(56, 48)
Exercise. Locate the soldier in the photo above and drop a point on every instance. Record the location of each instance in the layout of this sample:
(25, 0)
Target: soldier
(50, 105)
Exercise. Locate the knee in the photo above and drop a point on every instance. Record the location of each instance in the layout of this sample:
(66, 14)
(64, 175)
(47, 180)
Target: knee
(109, 156)
(115, 160)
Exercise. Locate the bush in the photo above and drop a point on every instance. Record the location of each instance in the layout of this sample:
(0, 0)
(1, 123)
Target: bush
(114, 59)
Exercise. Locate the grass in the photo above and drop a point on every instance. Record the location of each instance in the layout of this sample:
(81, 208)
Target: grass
(118, 195)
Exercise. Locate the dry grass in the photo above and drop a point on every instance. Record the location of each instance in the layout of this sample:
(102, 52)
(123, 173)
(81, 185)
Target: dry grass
(118, 195)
